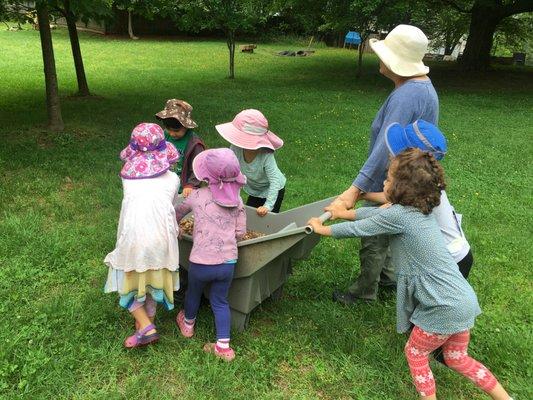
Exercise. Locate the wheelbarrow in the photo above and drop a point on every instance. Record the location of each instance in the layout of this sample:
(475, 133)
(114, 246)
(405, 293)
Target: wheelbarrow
(265, 263)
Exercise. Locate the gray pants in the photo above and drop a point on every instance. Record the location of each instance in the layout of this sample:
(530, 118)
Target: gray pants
(376, 268)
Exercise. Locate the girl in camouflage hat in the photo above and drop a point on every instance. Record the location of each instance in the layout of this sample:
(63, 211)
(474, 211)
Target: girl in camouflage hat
(179, 125)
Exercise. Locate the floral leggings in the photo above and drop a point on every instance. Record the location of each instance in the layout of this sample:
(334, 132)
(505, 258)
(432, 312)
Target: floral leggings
(455, 347)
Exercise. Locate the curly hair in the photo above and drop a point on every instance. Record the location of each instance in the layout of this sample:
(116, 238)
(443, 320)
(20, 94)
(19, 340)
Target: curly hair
(417, 180)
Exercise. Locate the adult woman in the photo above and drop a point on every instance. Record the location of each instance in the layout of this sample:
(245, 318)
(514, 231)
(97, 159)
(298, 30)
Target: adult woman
(413, 98)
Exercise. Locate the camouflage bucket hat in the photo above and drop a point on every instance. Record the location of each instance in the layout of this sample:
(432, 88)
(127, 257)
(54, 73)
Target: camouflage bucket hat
(180, 110)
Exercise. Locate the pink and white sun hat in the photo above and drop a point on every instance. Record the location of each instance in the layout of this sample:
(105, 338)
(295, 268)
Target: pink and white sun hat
(249, 130)
(148, 155)
(220, 169)
(402, 50)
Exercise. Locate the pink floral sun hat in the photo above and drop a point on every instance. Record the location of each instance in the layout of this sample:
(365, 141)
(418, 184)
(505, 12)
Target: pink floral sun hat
(148, 155)
(249, 130)
(220, 169)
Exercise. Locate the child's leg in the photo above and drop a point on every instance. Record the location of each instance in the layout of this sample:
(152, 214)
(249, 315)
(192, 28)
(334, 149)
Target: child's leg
(255, 202)
(456, 356)
(138, 311)
(466, 264)
(218, 297)
(151, 306)
(279, 200)
(195, 288)
(417, 350)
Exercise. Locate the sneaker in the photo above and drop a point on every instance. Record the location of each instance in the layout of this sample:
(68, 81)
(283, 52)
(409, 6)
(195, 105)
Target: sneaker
(225, 354)
(185, 329)
(347, 298)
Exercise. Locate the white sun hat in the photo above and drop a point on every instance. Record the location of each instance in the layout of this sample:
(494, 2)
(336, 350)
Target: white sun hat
(402, 50)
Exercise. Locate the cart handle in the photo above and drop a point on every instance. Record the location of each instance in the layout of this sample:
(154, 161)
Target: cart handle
(323, 218)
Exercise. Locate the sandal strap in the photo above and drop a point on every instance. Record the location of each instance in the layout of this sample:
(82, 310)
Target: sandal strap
(143, 331)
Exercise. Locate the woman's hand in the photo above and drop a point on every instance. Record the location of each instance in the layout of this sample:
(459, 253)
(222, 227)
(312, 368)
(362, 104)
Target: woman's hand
(337, 209)
(262, 211)
(349, 197)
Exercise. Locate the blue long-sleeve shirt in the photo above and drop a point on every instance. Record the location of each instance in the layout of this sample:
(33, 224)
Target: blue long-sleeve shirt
(415, 99)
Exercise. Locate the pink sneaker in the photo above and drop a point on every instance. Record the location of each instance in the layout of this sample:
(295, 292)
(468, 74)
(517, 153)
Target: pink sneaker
(225, 354)
(185, 329)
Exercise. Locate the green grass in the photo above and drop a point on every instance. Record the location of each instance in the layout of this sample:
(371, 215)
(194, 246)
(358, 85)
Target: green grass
(61, 337)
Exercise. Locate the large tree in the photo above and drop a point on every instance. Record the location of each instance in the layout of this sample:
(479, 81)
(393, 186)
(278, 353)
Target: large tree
(485, 16)
(72, 11)
(53, 107)
(229, 16)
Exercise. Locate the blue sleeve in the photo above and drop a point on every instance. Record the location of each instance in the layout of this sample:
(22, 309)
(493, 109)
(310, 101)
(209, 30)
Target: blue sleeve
(401, 109)
(386, 222)
(366, 212)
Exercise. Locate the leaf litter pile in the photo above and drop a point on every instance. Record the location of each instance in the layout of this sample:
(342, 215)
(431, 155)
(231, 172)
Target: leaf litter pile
(187, 226)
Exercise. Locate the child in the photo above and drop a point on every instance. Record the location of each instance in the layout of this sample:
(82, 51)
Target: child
(219, 221)
(254, 146)
(176, 118)
(427, 137)
(432, 295)
(143, 267)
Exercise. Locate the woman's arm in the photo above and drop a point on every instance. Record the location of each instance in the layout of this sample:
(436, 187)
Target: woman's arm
(375, 197)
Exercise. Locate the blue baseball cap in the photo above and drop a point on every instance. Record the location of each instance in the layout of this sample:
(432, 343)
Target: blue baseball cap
(420, 134)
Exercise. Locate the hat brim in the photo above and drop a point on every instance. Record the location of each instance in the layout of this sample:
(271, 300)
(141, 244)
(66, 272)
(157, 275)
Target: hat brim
(155, 166)
(396, 64)
(246, 141)
(225, 195)
(396, 139)
(186, 122)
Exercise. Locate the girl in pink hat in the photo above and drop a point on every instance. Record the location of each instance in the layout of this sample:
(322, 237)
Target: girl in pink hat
(219, 221)
(143, 267)
(254, 145)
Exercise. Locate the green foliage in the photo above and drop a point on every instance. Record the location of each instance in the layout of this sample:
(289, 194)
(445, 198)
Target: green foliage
(61, 336)
(444, 25)
(514, 34)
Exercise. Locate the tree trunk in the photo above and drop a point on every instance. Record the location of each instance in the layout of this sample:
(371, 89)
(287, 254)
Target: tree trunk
(130, 27)
(53, 107)
(360, 57)
(231, 48)
(448, 49)
(483, 23)
(83, 87)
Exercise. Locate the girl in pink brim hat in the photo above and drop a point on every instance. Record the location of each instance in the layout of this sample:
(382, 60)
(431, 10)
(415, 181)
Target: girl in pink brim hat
(254, 145)
(219, 221)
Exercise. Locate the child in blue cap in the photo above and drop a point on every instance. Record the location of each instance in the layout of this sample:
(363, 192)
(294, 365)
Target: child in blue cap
(428, 138)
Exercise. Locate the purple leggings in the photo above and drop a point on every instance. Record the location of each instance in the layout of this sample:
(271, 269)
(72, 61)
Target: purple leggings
(220, 277)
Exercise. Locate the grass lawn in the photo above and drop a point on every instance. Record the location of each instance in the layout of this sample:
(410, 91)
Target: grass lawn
(61, 337)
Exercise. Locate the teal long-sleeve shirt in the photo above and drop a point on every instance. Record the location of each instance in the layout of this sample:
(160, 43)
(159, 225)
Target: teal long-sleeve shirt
(263, 177)
(431, 293)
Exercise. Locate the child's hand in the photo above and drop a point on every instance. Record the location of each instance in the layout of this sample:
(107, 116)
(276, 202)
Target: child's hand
(262, 211)
(318, 227)
(186, 192)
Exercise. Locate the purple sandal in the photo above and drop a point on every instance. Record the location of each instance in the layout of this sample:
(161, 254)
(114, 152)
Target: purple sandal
(140, 338)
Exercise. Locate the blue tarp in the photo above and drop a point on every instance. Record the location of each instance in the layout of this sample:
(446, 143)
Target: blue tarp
(352, 38)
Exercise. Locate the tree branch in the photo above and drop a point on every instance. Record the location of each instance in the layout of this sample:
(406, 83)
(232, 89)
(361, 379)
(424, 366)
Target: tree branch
(517, 7)
(457, 7)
